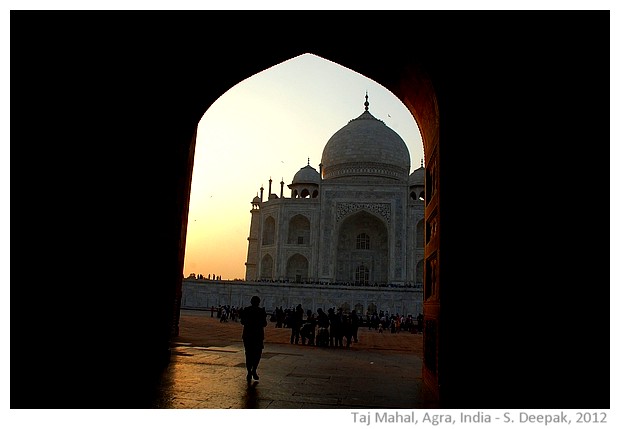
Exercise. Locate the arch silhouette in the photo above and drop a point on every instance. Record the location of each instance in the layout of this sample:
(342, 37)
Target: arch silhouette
(131, 122)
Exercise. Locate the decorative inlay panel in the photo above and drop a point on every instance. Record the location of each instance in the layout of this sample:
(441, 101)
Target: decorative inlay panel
(383, 210)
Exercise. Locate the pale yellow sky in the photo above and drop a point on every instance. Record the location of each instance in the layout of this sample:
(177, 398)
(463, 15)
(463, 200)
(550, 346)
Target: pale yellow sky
(268, 126)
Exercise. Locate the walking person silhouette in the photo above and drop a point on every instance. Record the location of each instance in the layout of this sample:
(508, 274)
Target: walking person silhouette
(254, 319)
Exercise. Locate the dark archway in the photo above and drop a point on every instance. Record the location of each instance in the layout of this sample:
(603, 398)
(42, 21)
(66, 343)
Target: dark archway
(299, 230)
(362, 255)
(269, 231)
(266, 267)
(119, 119)
(297, 268)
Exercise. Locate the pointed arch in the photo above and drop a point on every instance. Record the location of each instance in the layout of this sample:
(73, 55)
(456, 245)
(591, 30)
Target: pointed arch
(419, 236)
(299, 230)
(419, 272)
(269, 231)
(297, 268)
(266, 267)
(370, 231)
(412, 85)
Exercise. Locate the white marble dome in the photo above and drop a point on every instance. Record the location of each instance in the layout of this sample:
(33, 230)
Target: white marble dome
(366, 147)
(306, 175)
(417, 177)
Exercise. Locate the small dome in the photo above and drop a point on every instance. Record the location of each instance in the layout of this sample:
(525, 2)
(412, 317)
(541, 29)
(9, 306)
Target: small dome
(256, 200)
(307, 175)
(417, 177)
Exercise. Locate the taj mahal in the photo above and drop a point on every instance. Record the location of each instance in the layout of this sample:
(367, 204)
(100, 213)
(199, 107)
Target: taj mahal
(359, 220)
(350, 234)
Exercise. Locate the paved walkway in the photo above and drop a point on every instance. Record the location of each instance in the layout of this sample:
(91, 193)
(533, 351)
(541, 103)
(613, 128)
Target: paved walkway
(207, 370)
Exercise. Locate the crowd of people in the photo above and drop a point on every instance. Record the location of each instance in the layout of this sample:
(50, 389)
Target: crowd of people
(337, 328)
(226, 312)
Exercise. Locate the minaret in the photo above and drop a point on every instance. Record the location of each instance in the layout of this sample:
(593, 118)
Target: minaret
(269, 194)
(282, 188)
(251, 263)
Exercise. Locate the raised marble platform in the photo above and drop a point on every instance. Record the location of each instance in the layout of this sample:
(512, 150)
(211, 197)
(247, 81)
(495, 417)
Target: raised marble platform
(203, 294)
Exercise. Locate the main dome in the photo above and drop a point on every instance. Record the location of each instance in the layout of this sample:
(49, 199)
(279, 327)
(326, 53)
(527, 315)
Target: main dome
(366, 147)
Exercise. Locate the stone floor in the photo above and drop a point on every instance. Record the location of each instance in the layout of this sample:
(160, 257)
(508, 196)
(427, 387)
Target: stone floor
(207, 371)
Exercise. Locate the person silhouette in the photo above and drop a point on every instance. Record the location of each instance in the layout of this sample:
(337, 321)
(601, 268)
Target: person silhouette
(254, 319)
(297, 320)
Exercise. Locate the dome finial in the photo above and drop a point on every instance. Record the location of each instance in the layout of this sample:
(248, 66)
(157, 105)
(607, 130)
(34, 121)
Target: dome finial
(366, 102)
(308, 160)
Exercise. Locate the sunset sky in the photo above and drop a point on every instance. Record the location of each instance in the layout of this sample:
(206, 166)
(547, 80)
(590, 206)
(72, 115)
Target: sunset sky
(268, 126)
